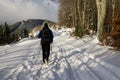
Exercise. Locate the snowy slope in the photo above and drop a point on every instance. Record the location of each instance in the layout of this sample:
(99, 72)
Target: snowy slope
(70, 59)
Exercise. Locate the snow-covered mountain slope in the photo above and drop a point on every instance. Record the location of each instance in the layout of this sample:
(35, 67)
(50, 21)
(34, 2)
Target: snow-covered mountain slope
(70, 59)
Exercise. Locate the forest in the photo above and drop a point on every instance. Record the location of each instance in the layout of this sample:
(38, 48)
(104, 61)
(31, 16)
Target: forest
(7, 35)
(100, 17)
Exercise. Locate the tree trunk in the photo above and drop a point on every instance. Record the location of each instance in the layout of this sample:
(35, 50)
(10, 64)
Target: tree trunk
(101, 7)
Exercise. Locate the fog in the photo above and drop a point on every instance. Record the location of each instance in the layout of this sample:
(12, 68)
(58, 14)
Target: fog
(16, 10)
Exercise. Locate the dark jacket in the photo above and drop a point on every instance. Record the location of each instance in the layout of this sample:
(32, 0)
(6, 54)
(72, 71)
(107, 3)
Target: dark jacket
(46, 35)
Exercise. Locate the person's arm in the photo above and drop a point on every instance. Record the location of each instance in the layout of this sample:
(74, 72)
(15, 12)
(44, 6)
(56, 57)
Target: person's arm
(39, 35)
(52, 36)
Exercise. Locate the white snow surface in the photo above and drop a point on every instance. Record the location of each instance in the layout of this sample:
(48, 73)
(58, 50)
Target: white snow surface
(70, 59)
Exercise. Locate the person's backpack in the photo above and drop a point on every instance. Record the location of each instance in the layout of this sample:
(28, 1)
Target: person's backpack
(46, 35)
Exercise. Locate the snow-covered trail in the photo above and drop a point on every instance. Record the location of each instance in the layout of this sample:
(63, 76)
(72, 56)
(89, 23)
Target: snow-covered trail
(70, 59)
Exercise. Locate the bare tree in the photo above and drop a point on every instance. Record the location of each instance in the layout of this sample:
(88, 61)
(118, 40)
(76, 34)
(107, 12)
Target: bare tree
(65, 13)
(101, 7)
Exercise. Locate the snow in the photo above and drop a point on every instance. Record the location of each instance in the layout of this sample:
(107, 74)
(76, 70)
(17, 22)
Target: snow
(70, 59)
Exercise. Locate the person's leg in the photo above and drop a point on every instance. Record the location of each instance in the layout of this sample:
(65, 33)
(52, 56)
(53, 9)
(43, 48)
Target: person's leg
(43, 57)
(43, 52)
(48, 51)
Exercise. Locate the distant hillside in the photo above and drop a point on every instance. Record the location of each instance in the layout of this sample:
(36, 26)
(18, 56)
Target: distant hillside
(55, 1)
(29, 24)
(15, 26)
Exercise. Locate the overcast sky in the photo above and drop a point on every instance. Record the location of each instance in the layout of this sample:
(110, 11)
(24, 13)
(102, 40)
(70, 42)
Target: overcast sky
(17, 10)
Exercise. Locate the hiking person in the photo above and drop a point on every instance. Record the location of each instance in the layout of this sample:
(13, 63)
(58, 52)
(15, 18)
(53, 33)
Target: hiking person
(46, 36)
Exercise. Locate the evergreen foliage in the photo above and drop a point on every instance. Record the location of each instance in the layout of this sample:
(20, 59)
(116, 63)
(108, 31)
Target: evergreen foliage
(25, 31)
(6, 30)
(5, 35)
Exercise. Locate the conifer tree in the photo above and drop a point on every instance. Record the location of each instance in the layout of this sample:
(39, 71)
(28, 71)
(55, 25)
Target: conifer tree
(6, 30)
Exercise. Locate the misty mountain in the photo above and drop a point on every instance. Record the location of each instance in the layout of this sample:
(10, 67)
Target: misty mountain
(15, 26)
(29, 25)
(54, 1)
